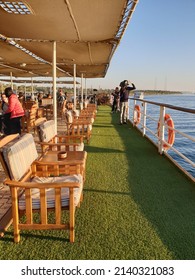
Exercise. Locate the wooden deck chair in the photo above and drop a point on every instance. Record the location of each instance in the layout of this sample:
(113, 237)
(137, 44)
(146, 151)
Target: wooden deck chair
(28, 104)
(90, 115)
(49, 141)
(28, 120)
(47, 106)
(39, 186)
(78, 127)
(83, 116)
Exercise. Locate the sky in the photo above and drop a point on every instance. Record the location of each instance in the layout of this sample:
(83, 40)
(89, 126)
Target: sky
(157, 51)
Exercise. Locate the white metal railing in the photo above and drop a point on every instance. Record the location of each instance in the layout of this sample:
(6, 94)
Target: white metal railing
(150, 121)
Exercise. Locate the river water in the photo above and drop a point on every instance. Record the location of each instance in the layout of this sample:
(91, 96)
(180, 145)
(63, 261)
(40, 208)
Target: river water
(184, 122)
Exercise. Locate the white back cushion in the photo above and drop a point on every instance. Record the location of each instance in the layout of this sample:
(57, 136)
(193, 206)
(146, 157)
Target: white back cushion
(47, 131)
(20, 155)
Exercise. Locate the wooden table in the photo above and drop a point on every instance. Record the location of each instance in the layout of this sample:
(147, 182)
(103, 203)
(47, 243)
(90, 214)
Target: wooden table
(72, 157)
(75, 160)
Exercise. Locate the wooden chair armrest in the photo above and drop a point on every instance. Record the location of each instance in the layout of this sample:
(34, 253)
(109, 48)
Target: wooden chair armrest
(58, 168)
(80, 122)
(27, 185)
(67, 138)
(58, 144)
(57, 147)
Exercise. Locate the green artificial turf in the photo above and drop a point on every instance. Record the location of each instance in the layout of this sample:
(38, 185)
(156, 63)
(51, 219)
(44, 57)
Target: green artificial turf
(136, 205)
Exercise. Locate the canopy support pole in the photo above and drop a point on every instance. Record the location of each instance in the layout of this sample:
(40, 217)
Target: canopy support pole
(85, 89)
(74, 82)
(25, 91)
(11, 80)
(32, 94)
(81, 91)
(54, 87)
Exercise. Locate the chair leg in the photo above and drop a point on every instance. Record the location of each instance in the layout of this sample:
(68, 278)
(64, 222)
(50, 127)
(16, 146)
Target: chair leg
(16, 235)
(15, 215)
(71, 216)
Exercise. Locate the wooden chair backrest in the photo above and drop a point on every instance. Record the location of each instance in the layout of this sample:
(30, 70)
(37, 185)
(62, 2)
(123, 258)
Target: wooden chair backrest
(28, 104)
(31, 117)
(47, 101)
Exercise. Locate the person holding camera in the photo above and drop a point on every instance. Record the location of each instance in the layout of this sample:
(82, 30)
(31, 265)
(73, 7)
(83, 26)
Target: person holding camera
(124, 98)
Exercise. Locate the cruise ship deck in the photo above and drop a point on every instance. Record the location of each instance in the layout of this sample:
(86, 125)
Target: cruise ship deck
(137, 204)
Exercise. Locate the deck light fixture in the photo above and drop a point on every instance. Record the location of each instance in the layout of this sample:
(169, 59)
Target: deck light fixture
(17, 7)
(23, 64)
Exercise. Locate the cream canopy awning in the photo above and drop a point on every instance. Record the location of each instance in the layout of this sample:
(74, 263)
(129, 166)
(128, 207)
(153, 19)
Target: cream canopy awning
(22, 63)
(35, 81)
(87, 34)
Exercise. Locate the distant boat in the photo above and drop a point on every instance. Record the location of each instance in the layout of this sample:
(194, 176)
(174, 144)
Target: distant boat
(138, 94)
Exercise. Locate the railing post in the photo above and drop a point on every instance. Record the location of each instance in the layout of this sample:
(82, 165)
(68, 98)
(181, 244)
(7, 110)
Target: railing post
(161, 129)
(144, 118)
(133, 113)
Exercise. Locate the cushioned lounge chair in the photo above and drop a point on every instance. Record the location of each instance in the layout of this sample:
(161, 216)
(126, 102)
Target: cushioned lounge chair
(49, 141)
(78, 126)
(39, 186)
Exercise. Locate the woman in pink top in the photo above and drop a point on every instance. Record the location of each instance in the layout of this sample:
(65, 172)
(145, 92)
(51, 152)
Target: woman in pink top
(13, 113)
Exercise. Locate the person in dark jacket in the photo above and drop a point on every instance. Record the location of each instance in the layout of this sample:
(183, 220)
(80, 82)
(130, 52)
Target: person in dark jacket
(124, 98)
(13, 113)
(4, 106)
(116, 97)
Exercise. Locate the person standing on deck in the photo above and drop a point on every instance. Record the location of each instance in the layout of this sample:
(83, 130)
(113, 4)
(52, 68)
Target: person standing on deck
(14, 112)
(116, 95)
(4, 107)
(124, 98)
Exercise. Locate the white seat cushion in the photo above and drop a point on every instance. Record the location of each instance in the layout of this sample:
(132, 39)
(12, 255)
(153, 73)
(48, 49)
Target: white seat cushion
(35, 194)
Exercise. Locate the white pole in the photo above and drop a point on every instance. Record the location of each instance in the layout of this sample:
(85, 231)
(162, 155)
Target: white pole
(81, 91)
(54, 87)
(32, 90)
(85, 89)
(144, 119)
(134, 112)
(11, 80)
(85, 103)
(25, 91)
(162, 129)
(81, 87)
(74, 81)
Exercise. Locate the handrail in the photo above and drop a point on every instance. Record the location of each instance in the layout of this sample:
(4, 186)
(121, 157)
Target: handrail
(187, 110)
(161, 142)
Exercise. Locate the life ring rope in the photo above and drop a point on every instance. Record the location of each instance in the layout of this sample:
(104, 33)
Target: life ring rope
(168, 121)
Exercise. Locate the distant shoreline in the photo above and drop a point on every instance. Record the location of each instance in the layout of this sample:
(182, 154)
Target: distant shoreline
(158, 92)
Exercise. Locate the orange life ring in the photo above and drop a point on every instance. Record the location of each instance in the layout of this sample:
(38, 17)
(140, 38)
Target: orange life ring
(137, 114)
(171, 132)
